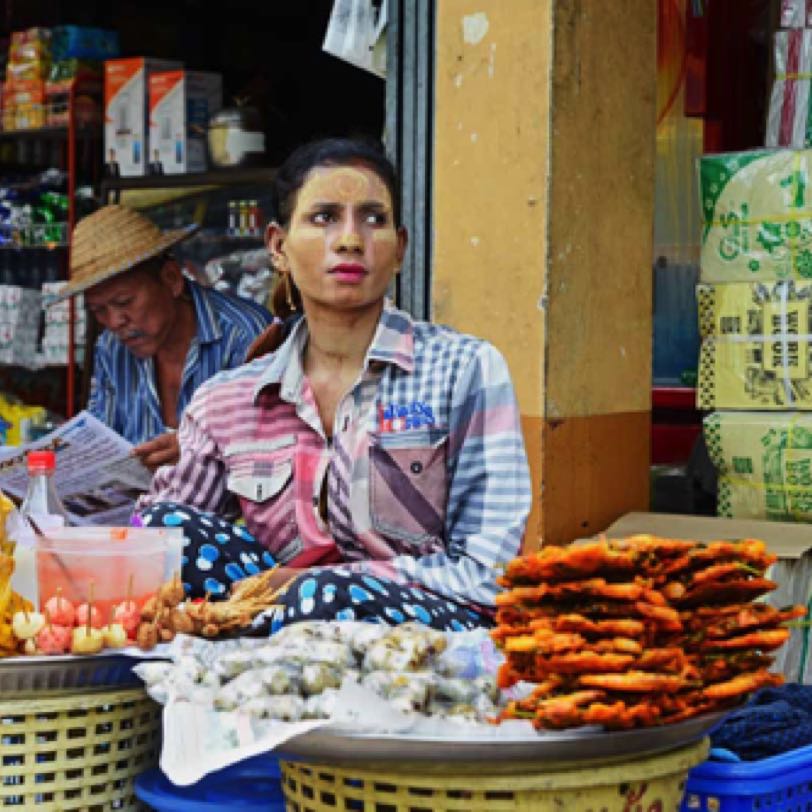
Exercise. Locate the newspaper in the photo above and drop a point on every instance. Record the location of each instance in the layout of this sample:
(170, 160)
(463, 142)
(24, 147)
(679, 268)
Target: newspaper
(97, 477)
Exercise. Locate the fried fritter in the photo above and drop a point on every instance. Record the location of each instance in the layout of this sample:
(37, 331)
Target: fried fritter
(633, 681)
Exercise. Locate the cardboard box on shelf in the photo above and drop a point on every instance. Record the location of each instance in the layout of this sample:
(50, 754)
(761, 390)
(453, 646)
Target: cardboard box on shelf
(757, 345)
(791, 542)
(180, 104)
(757, 216)
(126, 124)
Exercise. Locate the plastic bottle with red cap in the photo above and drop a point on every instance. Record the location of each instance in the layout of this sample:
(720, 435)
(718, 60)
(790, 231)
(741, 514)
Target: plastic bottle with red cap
(41, 498)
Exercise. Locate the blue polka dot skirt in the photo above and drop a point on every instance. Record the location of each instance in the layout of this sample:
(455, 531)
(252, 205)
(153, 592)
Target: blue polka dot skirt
(217, 553)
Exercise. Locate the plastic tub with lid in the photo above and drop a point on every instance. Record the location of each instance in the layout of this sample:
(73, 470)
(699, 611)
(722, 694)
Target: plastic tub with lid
(119, 562)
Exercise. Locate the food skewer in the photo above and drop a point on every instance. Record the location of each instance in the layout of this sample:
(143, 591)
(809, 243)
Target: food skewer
(87, 639)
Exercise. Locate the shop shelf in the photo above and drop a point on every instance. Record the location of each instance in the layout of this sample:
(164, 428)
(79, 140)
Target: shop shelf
(216, 177)
(51, 133)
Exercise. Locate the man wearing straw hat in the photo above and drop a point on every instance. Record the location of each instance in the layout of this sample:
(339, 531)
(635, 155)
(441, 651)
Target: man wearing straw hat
(164, 334)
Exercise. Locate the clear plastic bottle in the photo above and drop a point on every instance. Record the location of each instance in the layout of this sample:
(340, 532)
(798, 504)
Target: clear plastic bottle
(41, 498)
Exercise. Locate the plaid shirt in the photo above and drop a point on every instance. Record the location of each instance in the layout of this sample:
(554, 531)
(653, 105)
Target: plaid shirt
(123, 393)
(424, 480)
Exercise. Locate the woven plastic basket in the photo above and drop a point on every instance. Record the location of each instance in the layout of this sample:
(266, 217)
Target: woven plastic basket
(77, 751)
(653, 782)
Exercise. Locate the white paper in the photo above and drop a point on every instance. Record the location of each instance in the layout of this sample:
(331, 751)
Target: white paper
(356, 35)
(97, 477)
(198, 739)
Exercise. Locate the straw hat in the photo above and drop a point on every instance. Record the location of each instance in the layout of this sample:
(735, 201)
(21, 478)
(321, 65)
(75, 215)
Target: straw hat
(111, 241)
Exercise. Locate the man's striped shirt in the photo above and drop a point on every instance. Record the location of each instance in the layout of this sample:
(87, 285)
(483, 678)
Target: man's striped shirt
(124, 393)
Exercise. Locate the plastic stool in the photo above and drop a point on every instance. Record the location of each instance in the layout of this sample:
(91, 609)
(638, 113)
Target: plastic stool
(253, 785)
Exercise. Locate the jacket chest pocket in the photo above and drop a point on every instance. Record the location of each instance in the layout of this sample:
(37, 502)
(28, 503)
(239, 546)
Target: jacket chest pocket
(261, 476)
(261, 485)
(408, 485)
(260, 471)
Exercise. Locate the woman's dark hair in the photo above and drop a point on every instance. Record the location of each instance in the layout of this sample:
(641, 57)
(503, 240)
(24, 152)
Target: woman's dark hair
(290, 178)
(330, 152)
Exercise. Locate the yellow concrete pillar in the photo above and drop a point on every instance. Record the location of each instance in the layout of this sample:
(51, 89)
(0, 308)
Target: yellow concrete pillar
(543, 211)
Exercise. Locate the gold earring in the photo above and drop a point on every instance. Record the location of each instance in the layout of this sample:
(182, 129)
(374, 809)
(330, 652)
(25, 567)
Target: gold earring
(289, 292)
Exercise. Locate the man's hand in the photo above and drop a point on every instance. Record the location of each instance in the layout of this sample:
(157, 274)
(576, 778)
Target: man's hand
(161, 450)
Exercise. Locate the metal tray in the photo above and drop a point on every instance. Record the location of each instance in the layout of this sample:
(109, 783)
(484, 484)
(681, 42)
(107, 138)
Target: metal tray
(66, 672)
(567, 746)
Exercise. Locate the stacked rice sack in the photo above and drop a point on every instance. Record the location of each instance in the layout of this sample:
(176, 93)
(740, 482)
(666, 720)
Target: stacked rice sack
(637, 632)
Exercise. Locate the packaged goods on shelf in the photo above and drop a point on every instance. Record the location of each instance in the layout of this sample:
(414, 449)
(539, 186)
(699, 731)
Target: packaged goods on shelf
(764, 461)
(126, 120)
(180, 103)
(59, 332)
(788, 121)
(54, 352)
(24, 104)
(756, 345)
(54, 316)
(85, 80)
(757, 216)
(56, 338)
(29, 55)
(18, 344)
(79, 42)
(17, 419)
(796, 13)
(19, 305)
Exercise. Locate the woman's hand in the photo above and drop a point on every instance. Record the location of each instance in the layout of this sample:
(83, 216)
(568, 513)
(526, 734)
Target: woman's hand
(161, 450)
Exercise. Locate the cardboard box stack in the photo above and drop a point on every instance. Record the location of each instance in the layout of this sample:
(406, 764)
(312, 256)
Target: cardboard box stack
(44, 66)
(29, 61)
(126, 112)
(755, 316)
(180, 104)
(56, 336)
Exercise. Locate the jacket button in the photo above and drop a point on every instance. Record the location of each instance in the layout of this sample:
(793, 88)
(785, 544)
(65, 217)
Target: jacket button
(417, 467)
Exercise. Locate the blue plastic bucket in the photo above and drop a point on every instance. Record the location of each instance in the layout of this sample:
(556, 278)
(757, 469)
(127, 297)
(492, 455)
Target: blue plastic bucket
(253, 785)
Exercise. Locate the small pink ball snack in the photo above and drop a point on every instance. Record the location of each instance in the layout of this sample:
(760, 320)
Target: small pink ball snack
(128, 615)
(60, 610)
(82, 616)
(54, 639)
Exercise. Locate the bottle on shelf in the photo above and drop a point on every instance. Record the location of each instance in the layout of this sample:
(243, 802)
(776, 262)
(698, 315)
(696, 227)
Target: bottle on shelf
(253, 219)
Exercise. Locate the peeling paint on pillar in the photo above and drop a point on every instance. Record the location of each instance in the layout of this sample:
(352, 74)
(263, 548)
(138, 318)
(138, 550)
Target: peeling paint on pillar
(547, 158)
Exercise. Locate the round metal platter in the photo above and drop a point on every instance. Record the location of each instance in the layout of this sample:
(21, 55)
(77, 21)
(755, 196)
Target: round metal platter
(66, 671)
(331, 745)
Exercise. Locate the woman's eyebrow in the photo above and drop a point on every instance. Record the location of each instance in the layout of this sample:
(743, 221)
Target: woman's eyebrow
(332, 205)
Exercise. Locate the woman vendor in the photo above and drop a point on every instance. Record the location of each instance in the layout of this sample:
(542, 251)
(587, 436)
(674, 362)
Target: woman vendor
(379, 460)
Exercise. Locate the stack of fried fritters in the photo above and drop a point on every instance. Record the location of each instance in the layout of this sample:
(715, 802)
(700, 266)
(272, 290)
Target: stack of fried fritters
(637, 632)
